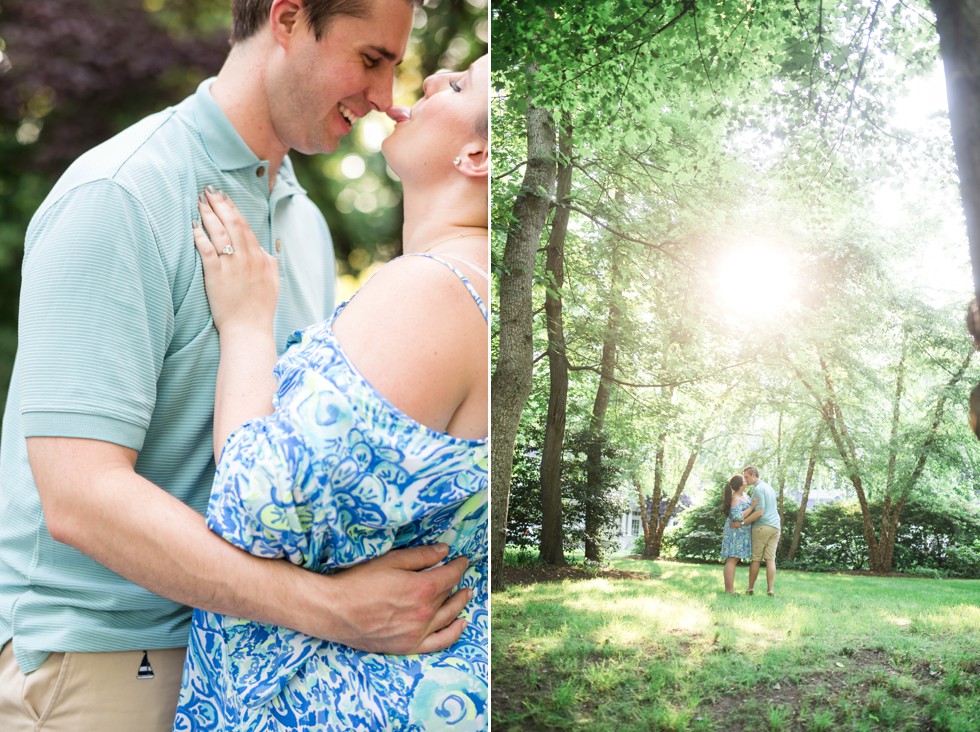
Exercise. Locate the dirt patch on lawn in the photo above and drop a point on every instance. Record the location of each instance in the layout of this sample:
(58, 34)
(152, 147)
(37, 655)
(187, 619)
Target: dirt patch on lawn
(548, 573)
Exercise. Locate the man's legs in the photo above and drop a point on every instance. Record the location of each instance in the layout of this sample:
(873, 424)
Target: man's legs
(770, 573)
(753, 573)
(769, 538)
(91, 691)
(757, 547)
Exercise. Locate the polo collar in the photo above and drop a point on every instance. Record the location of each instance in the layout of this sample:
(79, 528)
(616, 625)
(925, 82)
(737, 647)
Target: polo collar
(222, 141)
(225, 146)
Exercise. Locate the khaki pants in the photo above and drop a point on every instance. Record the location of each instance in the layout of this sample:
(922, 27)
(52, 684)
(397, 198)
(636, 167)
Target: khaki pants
(91, 692)
(765, 539)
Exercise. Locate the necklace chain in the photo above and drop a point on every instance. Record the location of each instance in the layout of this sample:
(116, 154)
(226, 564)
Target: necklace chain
(452, 238)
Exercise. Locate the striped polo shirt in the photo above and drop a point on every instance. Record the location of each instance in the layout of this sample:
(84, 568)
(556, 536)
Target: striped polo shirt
(116, 343)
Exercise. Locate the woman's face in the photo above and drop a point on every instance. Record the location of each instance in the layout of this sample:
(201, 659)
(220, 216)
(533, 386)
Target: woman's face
(442, 123)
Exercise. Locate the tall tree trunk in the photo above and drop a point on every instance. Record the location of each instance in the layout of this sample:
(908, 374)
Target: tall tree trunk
(958, 24)
(811, 466)
(551, 548)
(607, 368)
(662, 520)
(511, 383)
(881, 548)
(889, 517)
(651, 512)
(780, 468)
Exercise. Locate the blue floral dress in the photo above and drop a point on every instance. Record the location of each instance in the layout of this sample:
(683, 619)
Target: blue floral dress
(338, 475)
(737, 542)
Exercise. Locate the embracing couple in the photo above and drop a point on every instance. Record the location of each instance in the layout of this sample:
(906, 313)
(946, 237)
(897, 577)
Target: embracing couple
(751, 529)
(193, 424)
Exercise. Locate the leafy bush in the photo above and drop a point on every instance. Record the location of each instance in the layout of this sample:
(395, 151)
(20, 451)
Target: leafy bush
(936, 537)
(963, 561)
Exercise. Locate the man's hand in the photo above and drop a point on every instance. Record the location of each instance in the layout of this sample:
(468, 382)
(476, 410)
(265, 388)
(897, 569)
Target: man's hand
(390, 605)
(736, 524)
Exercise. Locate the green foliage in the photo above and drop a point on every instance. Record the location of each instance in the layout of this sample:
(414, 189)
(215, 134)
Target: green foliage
(604, 499)
(936, 537)
(698, 535)
(524, 513)
(833, 538)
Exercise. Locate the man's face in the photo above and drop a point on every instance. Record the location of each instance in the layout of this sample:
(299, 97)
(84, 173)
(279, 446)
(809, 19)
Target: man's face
(317, 90)
(750, 480)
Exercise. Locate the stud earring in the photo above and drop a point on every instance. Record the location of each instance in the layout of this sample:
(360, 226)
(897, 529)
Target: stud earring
(456, 161)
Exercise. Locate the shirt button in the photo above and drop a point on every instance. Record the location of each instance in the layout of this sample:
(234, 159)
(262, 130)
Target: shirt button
(260, 171)
(278, 245)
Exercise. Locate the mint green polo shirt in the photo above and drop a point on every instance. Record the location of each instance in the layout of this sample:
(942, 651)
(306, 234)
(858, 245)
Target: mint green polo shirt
(116, 343)
(767, 504)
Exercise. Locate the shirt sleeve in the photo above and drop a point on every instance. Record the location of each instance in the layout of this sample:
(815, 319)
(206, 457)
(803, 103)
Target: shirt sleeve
(96, 317)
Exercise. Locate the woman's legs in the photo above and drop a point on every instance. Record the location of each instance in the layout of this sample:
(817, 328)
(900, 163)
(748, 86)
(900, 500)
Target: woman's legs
(730, 564)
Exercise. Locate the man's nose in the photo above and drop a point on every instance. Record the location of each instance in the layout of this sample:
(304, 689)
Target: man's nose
(380, 91)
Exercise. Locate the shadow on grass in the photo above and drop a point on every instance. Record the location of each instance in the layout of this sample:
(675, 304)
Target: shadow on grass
(666, 649)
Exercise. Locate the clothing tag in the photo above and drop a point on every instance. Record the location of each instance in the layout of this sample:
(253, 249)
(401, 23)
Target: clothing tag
(146, 670)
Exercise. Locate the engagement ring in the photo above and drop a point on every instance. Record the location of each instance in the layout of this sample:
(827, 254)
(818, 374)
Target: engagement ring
(228, 250)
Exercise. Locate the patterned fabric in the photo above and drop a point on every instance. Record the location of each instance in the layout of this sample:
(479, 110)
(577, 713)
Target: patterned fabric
(335, 476)
(737, 542)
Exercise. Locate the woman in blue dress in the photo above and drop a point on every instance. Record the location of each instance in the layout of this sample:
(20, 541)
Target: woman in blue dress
(369, 434)
(736, 544)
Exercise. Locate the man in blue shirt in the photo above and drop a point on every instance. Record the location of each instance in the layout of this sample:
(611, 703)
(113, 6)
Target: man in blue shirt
(766, 528)
(107, 452)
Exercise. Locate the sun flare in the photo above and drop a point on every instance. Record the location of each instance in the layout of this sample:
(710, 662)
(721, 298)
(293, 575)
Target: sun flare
(756, 282)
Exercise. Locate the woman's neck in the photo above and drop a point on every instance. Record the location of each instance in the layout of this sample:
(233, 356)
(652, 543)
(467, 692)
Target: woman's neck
(437, 219)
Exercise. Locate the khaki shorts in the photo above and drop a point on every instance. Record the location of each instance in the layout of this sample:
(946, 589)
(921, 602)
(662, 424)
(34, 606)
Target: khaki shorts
(82, 692)
(764, 541)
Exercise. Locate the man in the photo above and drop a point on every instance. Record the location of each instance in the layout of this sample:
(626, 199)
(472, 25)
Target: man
(108, 422)
(765, 529)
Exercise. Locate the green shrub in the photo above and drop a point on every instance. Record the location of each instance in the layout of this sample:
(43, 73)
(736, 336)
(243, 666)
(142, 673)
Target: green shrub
(963, 561)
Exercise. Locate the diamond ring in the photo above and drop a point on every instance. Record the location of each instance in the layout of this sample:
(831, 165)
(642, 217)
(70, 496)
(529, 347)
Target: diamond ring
(228, 250)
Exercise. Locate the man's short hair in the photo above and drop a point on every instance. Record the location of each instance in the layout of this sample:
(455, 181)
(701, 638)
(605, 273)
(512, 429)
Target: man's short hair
(751, 470)
(248, 16)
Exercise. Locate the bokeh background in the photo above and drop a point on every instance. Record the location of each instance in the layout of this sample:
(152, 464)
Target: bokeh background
(75, 72)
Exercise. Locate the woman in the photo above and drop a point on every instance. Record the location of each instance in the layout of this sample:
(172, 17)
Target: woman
(735, 543)
(376, 438)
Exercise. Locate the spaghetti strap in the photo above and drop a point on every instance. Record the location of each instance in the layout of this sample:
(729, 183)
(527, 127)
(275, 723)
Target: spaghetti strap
(466, 283)
(472, 266)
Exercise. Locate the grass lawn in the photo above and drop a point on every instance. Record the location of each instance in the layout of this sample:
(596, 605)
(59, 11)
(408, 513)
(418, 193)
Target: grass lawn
(659, 646)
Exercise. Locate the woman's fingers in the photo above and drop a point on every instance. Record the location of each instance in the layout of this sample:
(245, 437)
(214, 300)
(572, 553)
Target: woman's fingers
(213, 225)
(205, 247)
(232, 223)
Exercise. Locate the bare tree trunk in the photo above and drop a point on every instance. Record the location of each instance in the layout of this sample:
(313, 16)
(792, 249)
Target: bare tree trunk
(881, 549)
(780, 468)
(645, 518)
(662, 521)
(551, 548)
(958, 24)
(607, 368)
(651, 547)
(801, 514)
(511, 383)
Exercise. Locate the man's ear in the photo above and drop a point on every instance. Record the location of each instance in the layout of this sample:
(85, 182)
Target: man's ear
(284, 18)
(475, 159)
